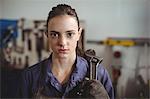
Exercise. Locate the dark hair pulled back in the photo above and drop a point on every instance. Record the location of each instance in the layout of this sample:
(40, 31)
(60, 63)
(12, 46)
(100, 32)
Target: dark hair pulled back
(62, 9)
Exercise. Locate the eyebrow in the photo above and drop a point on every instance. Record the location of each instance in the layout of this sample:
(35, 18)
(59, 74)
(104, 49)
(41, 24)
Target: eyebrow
(70, 31)
(59, 32)
(54, 32)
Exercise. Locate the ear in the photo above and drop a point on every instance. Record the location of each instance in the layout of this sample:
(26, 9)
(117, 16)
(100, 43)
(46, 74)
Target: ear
(79, 32)
(46, 33)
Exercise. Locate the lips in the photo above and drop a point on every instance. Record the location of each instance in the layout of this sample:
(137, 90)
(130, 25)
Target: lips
(63, 50)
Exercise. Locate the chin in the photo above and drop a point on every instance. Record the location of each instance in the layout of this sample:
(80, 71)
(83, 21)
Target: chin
(63, 56)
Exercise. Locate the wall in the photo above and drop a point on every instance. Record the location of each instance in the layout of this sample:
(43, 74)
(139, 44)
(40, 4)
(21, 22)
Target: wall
(0, 8)
(148, 7)
(128, 15)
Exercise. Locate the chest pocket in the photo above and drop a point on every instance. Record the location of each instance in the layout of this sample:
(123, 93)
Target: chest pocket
(44, 91)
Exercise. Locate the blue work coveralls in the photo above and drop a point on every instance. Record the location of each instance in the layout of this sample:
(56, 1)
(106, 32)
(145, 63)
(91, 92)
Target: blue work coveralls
(40, 74)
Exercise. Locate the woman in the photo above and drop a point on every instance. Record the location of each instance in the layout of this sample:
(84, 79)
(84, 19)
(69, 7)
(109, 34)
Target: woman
(58, 75)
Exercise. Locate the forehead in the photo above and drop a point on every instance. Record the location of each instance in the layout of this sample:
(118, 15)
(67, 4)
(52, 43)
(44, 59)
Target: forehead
(63, 23)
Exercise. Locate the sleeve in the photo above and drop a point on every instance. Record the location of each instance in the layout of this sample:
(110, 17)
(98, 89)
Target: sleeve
(104, 78)
(26, 89)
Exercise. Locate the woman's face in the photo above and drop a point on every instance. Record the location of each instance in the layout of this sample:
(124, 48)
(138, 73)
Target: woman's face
(63, 35)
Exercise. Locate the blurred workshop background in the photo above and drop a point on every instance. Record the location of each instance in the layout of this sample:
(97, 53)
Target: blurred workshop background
(118, 30)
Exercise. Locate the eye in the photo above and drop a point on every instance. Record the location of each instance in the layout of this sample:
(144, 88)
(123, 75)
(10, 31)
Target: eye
(54, 35)
(70, 34)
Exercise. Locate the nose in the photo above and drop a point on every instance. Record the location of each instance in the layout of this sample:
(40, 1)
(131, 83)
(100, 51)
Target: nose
(62, 41)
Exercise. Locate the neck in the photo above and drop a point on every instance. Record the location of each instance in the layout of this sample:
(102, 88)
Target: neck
(62, 67)
(63, 63)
